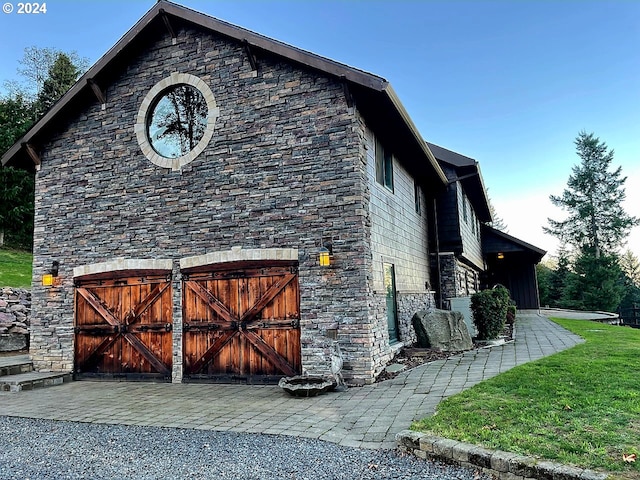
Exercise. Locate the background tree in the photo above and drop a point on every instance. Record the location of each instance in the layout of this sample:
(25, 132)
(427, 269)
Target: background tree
(630, 265)
(543, 274)
(16, 186)
(61, 77)
(593, 198)
(16, 116)
(596, 283)
(16, 208)
(35, 67)
(497, 222)
(48, 74)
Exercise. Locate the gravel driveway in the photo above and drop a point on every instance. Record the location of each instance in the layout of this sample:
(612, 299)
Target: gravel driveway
(43, 449)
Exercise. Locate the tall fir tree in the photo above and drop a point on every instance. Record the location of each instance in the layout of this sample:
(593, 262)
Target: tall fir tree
(593, 199)
(61, 77)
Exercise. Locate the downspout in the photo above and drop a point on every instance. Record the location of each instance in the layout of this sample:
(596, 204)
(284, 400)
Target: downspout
(437, 245)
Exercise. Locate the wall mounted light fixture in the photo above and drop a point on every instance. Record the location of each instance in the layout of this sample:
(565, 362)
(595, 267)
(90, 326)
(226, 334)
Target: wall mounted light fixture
(48, 278)
(324, 255)
(500, 255)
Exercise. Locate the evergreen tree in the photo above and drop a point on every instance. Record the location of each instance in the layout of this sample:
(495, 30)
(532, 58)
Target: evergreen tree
(34, 69)
(631, 267)
(16, 208)
(16, 186)
(49, 74)
(596, 283)
(62, 75)
(16, 116)
(593, 199)
(558, 280)
(544, 274)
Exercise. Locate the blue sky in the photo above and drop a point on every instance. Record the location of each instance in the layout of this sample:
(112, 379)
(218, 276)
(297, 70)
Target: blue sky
(509, 83)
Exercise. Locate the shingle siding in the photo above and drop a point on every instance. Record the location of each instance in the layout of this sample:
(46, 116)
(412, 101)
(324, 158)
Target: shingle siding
(398, 236)
(471, 246)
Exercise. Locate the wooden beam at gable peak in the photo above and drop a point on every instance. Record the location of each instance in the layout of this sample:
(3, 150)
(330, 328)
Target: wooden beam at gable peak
(33, 155)
(347, 92)
(252, 58)
(167, 23)
(97, 91)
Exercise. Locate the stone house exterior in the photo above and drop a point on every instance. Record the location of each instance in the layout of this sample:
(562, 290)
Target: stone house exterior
(186, 188)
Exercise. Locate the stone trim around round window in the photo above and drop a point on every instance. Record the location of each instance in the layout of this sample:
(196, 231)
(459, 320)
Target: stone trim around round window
(149, 102)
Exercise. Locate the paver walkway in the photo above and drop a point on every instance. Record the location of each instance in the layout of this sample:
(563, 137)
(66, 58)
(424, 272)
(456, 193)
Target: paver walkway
(367, 417)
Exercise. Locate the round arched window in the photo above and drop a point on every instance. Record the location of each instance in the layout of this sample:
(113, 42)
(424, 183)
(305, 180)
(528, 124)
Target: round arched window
(176, 120)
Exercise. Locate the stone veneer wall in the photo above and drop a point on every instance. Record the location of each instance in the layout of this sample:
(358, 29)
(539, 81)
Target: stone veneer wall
(285, 168)
(15, 309)
(408, 305)
(457, 279)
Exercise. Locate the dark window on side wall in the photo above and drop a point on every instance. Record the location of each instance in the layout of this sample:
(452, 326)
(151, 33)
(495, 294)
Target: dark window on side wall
(392, 308)
(417, 195)
(384, 166)
(464, 208)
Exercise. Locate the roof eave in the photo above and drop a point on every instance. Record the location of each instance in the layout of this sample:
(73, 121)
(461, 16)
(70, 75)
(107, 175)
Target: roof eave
(395, 100)
(232, 31)
(515, 240)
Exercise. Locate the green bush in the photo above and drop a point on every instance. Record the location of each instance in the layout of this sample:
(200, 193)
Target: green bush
(511, 314)
(489, 309)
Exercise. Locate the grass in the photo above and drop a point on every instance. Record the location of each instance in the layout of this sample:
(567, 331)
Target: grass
(15, 268)
(579, 407)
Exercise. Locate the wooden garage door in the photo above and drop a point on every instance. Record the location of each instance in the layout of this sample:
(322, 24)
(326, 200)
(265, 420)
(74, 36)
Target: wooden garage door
(242, 323)
(123, 328)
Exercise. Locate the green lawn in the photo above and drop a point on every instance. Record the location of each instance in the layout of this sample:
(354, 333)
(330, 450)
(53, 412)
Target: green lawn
(579, 407)
(15, 268)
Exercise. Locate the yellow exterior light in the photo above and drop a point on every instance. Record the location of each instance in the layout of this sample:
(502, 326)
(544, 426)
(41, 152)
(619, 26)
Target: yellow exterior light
(324, 257)
(500, 255)
(48, 279)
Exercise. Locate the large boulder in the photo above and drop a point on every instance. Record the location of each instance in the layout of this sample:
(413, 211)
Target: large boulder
(442, 330)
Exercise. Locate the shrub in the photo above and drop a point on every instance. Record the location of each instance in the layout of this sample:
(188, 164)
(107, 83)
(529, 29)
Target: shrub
(511, 314)
(489, 309)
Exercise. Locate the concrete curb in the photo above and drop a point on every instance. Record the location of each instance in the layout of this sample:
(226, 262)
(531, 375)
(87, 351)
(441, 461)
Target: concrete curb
(502, 465)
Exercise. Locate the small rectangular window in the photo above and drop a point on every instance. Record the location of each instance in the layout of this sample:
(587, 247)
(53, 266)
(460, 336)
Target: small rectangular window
(384, 166)
(417, 195)
(392, 307)
(465, 215)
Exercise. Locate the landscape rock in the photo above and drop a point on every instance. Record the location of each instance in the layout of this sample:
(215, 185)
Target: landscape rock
(442, 330)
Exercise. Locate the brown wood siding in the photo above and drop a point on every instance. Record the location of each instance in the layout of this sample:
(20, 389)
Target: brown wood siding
(123, 328)
(242, 324)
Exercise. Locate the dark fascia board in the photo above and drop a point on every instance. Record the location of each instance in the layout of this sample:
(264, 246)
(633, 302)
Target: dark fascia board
(449, 156)
(163, 7)
(468, 170)
(520, 244)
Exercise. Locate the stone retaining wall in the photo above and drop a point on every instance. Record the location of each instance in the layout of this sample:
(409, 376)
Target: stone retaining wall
(15, 308)
(502, 465)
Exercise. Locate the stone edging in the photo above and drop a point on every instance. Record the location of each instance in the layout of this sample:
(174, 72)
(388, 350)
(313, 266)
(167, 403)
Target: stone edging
(502, 465)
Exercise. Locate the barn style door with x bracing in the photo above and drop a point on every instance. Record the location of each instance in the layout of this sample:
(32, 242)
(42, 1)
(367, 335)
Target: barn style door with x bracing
(123, 328)
(241, 323)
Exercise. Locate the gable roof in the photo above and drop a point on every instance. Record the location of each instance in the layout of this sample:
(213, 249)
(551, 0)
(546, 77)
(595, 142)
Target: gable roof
(467, 171)
(494, 241)
(373, 95)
